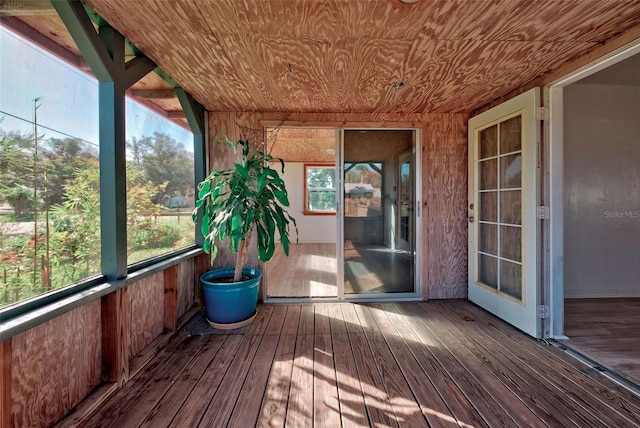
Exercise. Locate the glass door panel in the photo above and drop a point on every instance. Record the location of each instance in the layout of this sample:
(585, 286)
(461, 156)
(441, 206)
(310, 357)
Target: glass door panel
(378, 216)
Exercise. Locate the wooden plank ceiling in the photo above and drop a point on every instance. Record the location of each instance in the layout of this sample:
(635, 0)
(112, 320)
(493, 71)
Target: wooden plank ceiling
(346, 55)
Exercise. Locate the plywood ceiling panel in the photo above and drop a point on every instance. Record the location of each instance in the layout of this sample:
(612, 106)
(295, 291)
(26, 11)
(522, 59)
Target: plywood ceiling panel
(345, 55)
(302, 144)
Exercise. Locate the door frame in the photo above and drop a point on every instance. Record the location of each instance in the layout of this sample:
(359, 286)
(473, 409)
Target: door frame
(417, 169)
(554, 182)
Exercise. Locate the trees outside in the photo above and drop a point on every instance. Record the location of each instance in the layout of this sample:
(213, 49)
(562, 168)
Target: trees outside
(321, 193)
(16, 166)
(363, 185)
(165, 163)
(365, 173)
(53, 240)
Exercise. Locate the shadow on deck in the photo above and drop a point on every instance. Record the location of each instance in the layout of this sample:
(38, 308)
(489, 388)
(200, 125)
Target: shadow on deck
(444, 363)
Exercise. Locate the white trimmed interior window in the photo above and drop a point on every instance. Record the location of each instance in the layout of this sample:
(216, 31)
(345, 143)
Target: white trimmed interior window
(319, 189)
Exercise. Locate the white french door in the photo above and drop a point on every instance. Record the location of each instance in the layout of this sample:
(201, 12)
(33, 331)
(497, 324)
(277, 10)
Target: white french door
(503, 201)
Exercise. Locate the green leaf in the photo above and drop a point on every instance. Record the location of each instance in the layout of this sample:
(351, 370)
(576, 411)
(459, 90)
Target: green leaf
(206, 246)
(249, 195)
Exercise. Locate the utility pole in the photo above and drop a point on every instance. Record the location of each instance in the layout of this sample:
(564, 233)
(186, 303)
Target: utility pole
(46, 268)
(35, 189)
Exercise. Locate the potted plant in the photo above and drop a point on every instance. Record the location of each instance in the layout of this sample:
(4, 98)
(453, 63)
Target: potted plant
(248, 198)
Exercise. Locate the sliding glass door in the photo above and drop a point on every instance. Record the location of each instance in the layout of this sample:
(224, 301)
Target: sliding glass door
(378, 218)
(353, 194)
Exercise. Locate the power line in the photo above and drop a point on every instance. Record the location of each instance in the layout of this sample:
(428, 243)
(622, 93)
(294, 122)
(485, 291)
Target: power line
(50, 129)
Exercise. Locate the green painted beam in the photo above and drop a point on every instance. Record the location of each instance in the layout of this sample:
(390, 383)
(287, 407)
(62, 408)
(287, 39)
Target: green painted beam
(193, 110)
(136, 69)
(100, 21)
(104, 51)
(113, 184)
(195, 113)
(77, 21)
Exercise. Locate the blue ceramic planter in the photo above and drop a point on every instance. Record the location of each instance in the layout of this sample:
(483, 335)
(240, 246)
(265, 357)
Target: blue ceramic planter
(229, 302)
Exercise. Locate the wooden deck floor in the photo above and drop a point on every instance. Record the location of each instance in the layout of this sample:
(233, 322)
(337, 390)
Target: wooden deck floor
(420, 364)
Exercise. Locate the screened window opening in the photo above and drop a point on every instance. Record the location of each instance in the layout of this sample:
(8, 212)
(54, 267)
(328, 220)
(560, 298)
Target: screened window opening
(160, 185)
(49, 173)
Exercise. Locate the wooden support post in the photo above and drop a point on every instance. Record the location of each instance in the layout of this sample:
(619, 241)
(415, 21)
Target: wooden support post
(5, 383)
(170, 298)
(116, 336)
(201, 264)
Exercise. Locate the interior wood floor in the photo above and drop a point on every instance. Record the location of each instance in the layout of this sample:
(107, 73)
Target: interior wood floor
(310, 270)
(410, 364)
(607, 331)
(371, 268)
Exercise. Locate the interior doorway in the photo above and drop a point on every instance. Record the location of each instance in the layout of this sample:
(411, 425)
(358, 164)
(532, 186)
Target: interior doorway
(595, 157)
(353, 194)
(310, 270)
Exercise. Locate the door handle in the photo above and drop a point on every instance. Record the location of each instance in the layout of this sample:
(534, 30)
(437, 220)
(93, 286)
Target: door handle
(470, 219)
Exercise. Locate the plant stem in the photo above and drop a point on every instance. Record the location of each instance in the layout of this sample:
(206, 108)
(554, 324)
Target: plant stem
(242, 255)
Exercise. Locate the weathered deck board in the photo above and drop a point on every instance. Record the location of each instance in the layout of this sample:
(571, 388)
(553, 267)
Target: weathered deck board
(550, 407)
(376, 399)
(605, 398)
(326, 410)
(300, 404)
(273, 412)
(484, 392)
(434, 407)
(352, 408)
(221, 406)
(406, 409)
(457, 403)
(248, 407)
(205, 388)
(173, 356)
(438, 364)
(168, 406)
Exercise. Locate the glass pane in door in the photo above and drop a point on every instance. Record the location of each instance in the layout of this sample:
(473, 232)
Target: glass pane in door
(377, 212)
(499, 165)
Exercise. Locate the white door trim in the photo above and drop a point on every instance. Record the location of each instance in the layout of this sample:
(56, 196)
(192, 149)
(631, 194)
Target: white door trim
(553, 95)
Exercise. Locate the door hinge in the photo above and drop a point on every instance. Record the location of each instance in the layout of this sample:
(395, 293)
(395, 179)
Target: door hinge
(542, 213)
(542, 311)
(542, 113)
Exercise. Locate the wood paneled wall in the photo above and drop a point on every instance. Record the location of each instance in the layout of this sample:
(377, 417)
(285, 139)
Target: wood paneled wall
(186, 289)
(445, 196)
(54, 365)
(444, 178)
(147, 311)
(47, 370)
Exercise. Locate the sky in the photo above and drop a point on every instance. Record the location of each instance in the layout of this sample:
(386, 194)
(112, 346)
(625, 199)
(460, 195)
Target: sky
(68, 98)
